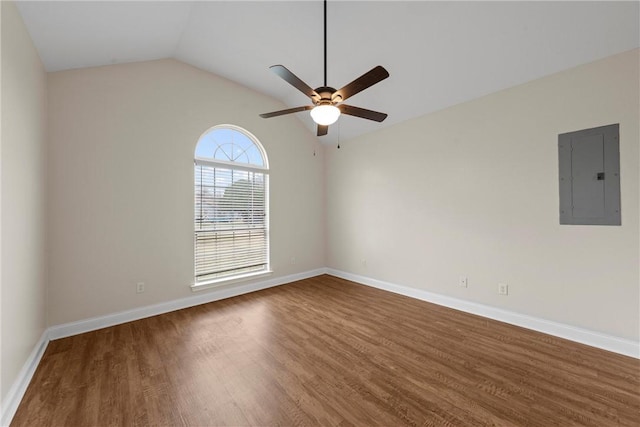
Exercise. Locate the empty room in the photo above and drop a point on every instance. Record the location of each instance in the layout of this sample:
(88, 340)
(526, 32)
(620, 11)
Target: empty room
(320, 213)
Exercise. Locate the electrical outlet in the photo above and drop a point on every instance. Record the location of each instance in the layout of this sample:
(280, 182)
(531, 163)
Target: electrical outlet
(140, 287)
(463, 281)
(503, 289)
(293, 260)
(363, 262)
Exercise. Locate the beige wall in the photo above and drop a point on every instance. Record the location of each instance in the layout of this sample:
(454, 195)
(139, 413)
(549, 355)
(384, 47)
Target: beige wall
(22, 166)
(473, 190)
(122, 141)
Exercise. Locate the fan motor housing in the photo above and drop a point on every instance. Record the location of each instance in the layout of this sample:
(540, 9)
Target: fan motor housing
(326, 93)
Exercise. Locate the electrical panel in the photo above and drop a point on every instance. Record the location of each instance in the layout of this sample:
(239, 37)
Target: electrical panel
(589, 162)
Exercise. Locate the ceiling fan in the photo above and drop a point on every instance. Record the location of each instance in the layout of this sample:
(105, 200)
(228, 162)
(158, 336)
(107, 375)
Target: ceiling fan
(327, 101)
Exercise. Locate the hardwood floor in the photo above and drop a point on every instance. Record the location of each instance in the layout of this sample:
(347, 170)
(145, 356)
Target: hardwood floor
(325, 351)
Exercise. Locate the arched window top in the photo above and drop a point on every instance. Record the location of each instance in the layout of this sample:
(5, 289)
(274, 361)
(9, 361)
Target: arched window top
(231, 144)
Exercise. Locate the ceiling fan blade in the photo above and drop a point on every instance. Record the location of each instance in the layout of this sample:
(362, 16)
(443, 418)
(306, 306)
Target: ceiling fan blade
(287, 111)
(366, 80)
(294, 81)
(323, 130)
(362, 113)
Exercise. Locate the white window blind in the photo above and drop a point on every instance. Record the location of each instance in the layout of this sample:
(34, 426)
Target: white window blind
(231, 236)
(230, 226)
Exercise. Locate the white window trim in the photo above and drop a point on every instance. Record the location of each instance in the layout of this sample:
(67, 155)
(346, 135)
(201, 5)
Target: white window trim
(225, 281)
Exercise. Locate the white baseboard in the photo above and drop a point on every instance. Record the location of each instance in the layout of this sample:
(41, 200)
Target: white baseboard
(19, 387)
(92, 324)
(583, 336)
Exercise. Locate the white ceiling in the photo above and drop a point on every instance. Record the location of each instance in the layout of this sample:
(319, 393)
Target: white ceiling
(438, 53)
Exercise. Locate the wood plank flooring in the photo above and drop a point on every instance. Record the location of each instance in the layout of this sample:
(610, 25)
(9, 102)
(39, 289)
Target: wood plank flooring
(325, 351)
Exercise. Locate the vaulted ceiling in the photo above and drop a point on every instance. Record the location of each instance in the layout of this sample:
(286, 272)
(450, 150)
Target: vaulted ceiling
(438, 53)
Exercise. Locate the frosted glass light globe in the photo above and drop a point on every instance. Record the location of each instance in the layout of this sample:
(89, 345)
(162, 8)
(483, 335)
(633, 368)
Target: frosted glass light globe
(325, 114)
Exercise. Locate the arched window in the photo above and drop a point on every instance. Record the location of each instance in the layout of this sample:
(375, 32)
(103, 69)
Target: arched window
(231, 205)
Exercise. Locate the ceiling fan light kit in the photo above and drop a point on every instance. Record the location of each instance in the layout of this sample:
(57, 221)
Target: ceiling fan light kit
(327, 102)
(325, 114)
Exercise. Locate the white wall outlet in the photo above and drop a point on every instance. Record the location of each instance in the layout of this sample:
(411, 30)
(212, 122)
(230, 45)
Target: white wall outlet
(293, 260)
(363, 262)
(139, 287)
(503, 289)
(463, 281)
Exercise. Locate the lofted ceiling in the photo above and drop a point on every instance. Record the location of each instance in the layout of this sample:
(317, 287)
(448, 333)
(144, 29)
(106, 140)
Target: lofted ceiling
(438, 53)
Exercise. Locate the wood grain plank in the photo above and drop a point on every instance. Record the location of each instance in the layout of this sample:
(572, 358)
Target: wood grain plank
(326, 351)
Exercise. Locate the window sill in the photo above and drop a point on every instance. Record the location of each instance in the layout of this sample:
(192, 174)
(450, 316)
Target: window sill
(218, 283)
